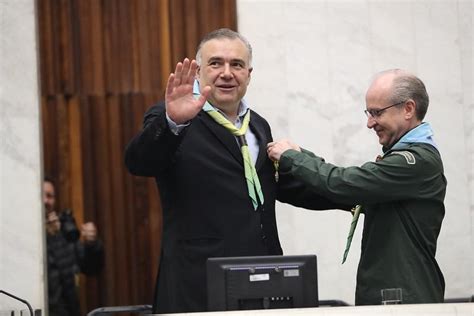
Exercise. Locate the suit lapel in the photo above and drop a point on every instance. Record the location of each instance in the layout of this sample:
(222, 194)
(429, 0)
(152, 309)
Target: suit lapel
(262, 139)
(223, 135)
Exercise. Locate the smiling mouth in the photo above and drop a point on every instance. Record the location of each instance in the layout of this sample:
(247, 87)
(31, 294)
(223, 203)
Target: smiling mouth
(226, 88)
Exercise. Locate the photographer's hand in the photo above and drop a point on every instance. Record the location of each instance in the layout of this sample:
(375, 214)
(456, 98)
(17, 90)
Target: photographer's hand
(89, 232)
(53, 225)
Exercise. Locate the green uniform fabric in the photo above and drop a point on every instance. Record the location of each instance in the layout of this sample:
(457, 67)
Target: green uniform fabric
(403, 204)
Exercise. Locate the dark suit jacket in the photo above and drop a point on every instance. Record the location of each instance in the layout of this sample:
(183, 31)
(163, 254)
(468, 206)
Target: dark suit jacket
(206, 208)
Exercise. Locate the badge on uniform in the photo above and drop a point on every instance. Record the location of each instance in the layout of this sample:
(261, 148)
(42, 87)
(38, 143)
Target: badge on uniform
(410, 158)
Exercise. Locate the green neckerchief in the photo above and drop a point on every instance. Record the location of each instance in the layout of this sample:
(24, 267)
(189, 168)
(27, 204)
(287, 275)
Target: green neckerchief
(355, 217)
(253, 183)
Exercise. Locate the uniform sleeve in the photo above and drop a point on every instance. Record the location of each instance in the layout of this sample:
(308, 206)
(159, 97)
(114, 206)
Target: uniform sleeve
(152, 150)
(393, 178)
(294, 191)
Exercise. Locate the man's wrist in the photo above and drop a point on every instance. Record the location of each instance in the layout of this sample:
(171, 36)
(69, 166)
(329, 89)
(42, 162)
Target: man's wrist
(285, 159)
(174, 127)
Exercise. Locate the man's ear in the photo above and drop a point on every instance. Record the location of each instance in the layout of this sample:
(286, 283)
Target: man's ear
(249, 76)
(410, 109)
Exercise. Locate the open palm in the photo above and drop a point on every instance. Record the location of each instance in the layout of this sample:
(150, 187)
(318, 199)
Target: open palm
(181, 105)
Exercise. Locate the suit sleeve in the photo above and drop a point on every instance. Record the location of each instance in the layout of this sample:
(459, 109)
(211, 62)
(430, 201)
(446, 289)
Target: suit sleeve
(152, 150)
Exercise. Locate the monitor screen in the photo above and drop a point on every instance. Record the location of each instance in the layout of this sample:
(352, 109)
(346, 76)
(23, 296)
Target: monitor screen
(265, 282)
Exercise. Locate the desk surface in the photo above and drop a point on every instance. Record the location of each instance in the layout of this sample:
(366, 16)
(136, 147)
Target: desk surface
(458, 309)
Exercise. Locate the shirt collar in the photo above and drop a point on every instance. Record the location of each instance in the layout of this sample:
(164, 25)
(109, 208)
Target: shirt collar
(420, 134)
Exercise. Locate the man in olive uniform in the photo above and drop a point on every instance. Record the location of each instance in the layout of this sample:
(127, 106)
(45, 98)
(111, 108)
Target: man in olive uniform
(401, 194)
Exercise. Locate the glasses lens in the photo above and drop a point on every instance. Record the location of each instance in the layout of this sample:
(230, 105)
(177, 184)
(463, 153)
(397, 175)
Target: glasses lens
(372, 113)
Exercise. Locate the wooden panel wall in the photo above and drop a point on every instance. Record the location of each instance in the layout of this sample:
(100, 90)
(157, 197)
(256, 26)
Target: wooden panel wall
(102, 64)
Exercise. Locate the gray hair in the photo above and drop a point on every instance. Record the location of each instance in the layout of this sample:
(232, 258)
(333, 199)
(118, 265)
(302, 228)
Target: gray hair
(407, 86)
(219, 34)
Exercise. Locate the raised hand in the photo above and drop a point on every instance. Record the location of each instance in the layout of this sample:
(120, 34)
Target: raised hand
(181, 105)
(53, 225)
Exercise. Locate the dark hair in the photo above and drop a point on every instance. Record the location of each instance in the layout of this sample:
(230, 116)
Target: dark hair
(49, 179)
(223, 33)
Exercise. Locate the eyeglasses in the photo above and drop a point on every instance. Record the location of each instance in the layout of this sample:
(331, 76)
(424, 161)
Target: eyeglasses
(377, 112)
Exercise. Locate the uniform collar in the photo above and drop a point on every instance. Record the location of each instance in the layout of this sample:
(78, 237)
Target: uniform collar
(420, 134)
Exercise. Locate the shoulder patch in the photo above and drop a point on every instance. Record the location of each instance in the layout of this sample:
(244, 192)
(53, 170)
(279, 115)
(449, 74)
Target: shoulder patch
(407, 155)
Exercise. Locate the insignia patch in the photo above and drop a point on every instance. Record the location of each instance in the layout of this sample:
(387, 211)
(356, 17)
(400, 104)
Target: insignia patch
(408, 156)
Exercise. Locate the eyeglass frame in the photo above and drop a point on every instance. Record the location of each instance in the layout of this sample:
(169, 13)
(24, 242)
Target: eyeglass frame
(375, 113)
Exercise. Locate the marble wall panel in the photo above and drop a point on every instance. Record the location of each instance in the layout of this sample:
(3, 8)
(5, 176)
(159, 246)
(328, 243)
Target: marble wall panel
(21, 230)
(313, 61)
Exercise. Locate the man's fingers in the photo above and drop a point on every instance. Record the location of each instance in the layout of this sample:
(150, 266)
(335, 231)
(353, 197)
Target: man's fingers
(178, 73)
(200, 102)
(186, 64)
(203, 97)
(192, 72)
(189, 71)
(185, 73)
(205, 92)
(170, 84)
(178, 70)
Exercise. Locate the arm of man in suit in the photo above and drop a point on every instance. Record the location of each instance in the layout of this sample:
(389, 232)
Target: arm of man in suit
(152, 150)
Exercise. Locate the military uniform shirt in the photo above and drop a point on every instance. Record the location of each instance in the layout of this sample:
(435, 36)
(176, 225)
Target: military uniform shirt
(402, 197)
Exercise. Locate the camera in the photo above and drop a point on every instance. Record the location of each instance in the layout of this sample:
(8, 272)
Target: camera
(68, 226)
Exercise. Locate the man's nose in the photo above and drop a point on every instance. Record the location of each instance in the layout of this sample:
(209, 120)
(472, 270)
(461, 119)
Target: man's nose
(371, 122)
(226, 72)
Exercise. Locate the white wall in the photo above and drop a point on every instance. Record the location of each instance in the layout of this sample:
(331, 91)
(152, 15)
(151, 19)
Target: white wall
(21, 232)
(313, 61)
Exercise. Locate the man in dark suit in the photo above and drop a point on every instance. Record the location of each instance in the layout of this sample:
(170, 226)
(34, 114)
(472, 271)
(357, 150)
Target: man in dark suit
(215, 204)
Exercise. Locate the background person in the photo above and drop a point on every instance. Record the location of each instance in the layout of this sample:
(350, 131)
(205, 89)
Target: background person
(69, 251)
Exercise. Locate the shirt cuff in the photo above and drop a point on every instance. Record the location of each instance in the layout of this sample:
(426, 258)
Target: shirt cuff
(176, 128)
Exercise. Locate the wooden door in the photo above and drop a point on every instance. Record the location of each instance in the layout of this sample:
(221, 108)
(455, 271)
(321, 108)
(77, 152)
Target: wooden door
(102, 64)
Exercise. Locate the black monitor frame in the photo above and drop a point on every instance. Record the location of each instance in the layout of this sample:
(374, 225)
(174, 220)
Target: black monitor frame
(262, 282)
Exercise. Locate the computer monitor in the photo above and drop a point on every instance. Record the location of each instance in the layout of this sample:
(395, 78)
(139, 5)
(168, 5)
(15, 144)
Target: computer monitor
(265, 282)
